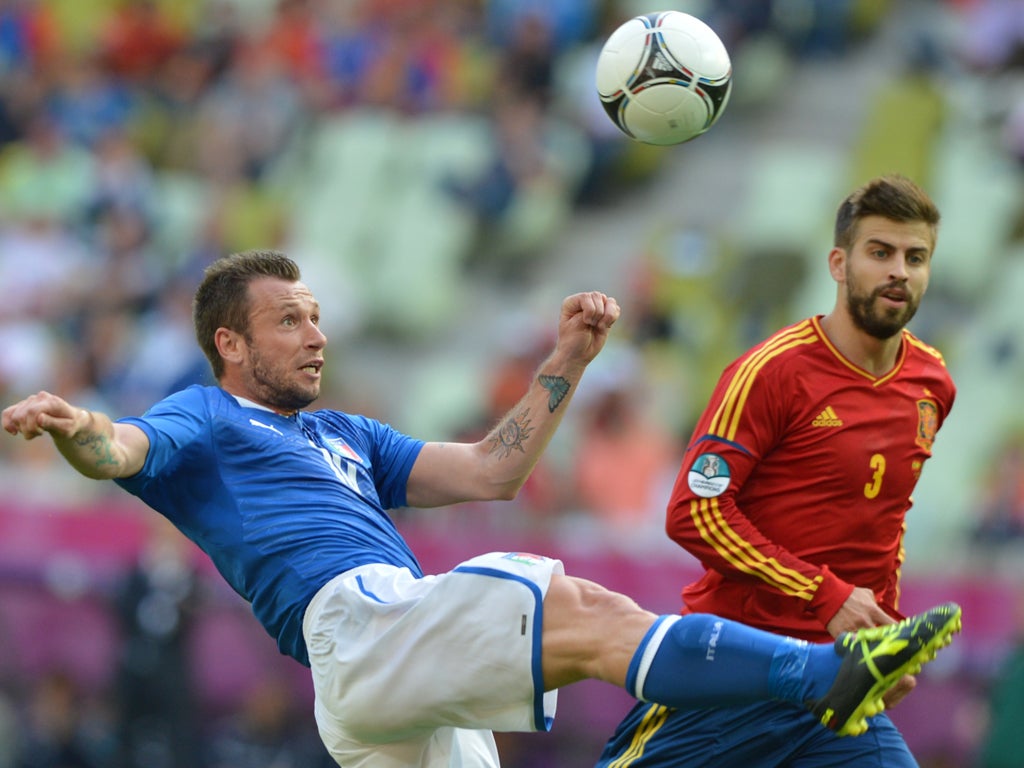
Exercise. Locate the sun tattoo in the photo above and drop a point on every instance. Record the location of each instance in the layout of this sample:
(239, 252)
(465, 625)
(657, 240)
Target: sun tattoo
(511, 435)
(557, 387)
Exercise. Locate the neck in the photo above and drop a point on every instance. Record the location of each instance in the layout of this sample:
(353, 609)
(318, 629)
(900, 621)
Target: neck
(876, 356)
(250, 403)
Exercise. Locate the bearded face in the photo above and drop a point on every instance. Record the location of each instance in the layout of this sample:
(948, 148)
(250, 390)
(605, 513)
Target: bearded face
(276, 384)
(278, 360)
(883, 311)
(884, 274)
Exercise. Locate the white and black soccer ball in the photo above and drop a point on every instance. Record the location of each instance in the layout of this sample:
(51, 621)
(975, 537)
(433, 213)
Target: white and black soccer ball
(664, 78)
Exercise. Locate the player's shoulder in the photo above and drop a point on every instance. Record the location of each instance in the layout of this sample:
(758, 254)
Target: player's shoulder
(925, 362)
(194, 399)
(201, 393)
(782, 348)
(921, 350)
(215, 402)
(353, 427)
(339, 419)
(792, 338)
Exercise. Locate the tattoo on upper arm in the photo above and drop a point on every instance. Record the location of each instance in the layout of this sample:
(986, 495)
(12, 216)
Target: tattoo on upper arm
(100, 447)
(557, 387)
(511, 435)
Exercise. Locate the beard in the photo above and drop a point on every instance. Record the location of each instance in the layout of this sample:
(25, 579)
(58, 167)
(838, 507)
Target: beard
(274, 390)
(881, 323)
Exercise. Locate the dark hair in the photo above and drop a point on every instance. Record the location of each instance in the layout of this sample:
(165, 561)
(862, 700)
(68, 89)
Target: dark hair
(222, 299)
(893, 197)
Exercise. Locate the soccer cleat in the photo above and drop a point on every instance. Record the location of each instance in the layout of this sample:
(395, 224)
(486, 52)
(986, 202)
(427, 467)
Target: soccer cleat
(875, 659)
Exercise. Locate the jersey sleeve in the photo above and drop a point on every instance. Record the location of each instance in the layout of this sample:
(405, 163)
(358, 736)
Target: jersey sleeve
(170, 424)
(392, 454)
(744, 420)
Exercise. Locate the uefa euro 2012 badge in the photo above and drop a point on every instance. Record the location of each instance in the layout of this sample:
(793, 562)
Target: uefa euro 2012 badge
(709, 475)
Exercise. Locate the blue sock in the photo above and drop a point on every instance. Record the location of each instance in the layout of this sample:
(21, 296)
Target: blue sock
(701, 660)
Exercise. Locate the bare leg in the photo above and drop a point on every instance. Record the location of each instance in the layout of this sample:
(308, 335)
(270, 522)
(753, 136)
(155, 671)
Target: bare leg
(706, 660)
(589, 632)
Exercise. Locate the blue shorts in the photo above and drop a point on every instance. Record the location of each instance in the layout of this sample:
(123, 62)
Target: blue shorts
(770, 734)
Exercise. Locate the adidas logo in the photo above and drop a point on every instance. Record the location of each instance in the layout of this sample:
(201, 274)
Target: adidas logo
(660, 63)
(827, 418)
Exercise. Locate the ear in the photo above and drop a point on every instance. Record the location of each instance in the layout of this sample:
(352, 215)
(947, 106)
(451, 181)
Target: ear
(230, 344)
(837, 264)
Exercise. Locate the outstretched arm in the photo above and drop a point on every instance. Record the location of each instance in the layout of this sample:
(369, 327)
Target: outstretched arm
(90, 441)
(498, 466)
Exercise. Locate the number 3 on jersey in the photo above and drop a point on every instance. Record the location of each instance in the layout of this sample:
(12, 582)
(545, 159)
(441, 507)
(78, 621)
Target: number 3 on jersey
(878, 471)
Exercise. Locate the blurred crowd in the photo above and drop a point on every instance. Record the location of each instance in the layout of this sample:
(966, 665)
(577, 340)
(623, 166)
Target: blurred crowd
(112, 112)
(141, 139)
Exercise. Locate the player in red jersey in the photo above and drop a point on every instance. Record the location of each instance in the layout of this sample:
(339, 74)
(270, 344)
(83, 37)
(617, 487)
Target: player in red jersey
(795, 486)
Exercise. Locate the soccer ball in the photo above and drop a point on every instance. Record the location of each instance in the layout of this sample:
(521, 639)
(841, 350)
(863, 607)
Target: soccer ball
(664, 78)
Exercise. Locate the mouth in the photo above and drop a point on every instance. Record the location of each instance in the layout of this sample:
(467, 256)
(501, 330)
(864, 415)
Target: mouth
(895, 295)
(312, 368)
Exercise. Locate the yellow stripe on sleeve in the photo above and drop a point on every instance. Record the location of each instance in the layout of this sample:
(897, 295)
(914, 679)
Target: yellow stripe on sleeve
(726, 419)
(914, 341)
(742, 555)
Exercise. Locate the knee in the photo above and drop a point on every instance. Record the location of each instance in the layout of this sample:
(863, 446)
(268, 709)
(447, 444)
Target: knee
(604, 602)
(585, 601)
(589, 631)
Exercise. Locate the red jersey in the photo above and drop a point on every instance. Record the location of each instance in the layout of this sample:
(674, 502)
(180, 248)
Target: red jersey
(796, 483)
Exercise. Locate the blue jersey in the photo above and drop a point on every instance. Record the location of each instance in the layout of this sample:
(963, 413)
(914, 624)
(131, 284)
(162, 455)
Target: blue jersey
(281, 504)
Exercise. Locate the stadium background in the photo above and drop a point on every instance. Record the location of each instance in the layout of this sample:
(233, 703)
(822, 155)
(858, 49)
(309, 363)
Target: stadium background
(444, 175)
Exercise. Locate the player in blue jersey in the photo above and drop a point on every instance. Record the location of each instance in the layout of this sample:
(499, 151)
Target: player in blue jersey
(412, 669)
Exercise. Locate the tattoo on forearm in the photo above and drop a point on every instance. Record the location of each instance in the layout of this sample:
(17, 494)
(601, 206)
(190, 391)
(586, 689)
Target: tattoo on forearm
(511, 435)
(557, 387)
(100, 447)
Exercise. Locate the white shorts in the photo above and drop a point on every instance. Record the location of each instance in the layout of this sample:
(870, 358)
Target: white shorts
(417, 672)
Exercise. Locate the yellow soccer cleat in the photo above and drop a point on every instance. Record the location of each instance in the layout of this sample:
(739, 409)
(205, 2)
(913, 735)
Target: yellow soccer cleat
(875, 659)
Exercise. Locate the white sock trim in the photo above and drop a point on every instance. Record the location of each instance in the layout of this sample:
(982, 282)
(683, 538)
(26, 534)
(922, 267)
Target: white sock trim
(650, 651)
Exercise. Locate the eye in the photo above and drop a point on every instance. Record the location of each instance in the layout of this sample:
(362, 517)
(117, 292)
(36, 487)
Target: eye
(288, 320)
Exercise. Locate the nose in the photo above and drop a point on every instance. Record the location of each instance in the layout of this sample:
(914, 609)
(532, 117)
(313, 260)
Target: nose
(315, 337)
(898, 268)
